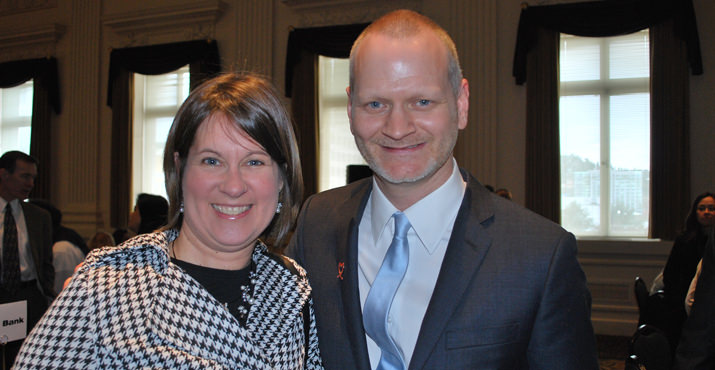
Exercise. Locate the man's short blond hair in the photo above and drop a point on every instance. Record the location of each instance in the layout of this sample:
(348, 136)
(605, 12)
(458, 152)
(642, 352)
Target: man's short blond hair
(402, 24)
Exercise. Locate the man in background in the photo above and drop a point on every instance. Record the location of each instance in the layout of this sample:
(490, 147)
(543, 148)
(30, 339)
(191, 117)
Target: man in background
(420, 266)
(26, 236)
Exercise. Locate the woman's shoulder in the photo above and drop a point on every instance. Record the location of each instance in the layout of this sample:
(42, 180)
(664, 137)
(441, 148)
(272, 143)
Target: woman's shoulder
(287, 263)
(141, 250)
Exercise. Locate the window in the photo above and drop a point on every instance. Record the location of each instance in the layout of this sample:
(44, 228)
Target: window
(156, 101)
(604, 102)
(336, 145)
(16, 118)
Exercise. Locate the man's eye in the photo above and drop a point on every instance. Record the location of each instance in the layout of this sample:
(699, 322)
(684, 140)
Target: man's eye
(424, 102)
(374, 104)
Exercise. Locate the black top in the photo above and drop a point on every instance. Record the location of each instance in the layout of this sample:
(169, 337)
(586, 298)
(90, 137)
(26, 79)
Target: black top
(224, 285)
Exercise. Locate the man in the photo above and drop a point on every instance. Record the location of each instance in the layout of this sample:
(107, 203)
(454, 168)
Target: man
(488, 284)
(30, 275)
(696, 349)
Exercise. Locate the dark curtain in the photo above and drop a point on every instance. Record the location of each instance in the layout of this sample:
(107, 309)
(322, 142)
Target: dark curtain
(45, 101)
(304, 46)
(543, 185)
(203, 59)
(602, 19)
(669, 132)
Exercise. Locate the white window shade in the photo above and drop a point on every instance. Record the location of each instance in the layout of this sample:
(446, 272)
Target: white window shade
(16, 117)
(604, 131)
(156, 101)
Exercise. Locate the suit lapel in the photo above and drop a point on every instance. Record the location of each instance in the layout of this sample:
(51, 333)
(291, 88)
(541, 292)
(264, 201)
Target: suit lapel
(347, 254)
(466, 250)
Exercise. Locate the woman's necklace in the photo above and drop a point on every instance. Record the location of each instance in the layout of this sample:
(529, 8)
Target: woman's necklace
(246, 295)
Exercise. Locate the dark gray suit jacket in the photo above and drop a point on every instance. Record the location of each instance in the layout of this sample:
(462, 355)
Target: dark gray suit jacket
(39, 230)
(510, 294)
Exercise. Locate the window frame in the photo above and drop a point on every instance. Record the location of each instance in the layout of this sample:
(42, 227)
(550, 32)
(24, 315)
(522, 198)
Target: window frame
(605, 88)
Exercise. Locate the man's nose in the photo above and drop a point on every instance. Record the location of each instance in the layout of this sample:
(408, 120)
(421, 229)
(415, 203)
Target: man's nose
(399, 123)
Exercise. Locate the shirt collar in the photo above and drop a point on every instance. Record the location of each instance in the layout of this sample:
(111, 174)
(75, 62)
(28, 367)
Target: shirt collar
(14, 204)
(430, 217)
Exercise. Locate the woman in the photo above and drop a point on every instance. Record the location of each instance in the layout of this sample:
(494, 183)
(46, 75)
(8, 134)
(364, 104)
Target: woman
(204, 293)
(683, 261)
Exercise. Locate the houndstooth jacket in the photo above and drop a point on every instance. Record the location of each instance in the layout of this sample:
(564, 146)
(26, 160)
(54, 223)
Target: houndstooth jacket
(130, 307)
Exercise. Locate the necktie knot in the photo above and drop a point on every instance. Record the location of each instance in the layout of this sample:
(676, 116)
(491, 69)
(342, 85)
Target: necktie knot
(402, 225)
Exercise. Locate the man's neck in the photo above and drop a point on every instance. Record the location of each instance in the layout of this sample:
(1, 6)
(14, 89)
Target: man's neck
(404, 195)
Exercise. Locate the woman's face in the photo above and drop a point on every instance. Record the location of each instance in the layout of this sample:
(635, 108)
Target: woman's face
(230, 187)
(706, 211)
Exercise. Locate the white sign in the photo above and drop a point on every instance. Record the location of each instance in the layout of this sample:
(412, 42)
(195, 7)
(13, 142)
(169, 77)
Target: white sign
(13, 321)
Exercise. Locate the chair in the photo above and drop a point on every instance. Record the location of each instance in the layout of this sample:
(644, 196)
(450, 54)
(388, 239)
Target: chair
(641, 292)
(649, 349)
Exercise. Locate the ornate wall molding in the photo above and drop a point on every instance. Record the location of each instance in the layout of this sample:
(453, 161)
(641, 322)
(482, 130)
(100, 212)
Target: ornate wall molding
(9, 7)
(29, 42)
(317, 13)
(193, 21)
(316, 4)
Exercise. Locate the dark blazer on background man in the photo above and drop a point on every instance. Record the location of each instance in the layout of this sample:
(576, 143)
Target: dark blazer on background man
(39, 233)
(510, 294)
(38, 298)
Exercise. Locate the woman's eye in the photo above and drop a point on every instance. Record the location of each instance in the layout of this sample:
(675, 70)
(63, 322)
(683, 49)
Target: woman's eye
(211, 161)
(255, 162)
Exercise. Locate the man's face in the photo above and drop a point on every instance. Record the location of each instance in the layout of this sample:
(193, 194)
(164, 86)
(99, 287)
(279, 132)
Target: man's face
(402, 109)
(17, 185)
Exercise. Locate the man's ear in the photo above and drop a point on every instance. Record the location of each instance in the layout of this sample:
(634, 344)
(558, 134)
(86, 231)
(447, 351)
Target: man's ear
(350, 107)
(463, 105)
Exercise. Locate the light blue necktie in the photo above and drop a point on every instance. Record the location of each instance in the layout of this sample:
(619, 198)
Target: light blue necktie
(379, 299)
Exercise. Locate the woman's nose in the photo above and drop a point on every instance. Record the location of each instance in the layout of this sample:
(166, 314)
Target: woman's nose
(233, 183)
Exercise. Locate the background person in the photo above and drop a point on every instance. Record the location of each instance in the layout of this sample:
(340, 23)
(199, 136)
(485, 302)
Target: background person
(204, 292)
(68, 248)
(150, 213)
(120, 235)
(101, 239)
(696, 348)
(488, 284)
(682, 263)
(27, 273)
(504, 193)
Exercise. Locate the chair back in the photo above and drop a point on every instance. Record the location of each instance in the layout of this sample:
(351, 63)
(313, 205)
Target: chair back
(649, 349)
(641, 293)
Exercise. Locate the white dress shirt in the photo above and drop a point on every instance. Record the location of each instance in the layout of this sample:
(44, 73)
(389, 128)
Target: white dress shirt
(65, 257)
(27, 268)
(432, 219)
